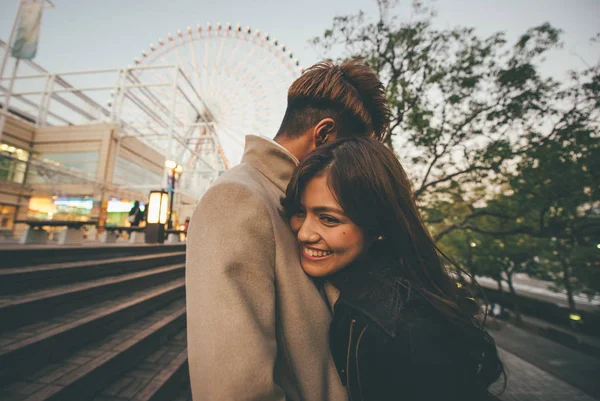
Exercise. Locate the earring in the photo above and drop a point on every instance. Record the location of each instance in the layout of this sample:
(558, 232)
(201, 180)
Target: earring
(380, 238)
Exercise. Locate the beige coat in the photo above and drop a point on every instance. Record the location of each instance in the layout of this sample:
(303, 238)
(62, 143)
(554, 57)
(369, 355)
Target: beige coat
(257, 325)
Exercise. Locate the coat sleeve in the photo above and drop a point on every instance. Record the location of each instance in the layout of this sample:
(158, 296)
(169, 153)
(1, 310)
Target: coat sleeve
(230, 265)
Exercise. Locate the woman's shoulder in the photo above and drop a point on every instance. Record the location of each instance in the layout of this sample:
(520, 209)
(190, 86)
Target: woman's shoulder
(412, 326)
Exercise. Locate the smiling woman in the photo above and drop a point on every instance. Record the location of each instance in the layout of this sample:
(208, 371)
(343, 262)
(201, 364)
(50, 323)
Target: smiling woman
(397, 313)
(329, 239)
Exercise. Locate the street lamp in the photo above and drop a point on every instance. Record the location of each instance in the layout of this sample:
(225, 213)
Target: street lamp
(157, 216)
(174, 170)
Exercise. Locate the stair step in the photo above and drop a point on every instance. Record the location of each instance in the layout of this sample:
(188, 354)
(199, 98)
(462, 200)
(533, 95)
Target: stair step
(31, 255)
(53, 341)
(18, 279)
(18, 310)
(87, 371)
(157, 377)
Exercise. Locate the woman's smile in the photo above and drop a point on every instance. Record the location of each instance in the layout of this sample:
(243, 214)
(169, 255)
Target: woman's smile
(315, 254)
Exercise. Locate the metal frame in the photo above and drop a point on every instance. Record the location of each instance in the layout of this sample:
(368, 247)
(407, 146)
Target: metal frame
(147, 110)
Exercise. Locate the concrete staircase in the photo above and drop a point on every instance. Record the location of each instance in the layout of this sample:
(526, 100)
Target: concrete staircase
(105, 324)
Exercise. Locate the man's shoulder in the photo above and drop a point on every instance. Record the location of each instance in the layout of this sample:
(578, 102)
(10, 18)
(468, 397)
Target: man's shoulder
(238, 189)
(241, 178)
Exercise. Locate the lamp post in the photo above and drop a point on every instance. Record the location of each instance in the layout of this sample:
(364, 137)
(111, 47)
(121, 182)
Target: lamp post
(175, 171)
(157, 217)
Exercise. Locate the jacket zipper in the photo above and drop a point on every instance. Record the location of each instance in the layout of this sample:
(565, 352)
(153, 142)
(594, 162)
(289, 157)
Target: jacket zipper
(348, 360)
(357, 365)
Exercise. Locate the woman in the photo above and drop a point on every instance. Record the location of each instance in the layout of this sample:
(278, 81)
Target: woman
(400, 329)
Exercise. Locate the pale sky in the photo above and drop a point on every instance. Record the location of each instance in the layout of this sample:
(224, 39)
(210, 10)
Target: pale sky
(96, 34)
(91, 34)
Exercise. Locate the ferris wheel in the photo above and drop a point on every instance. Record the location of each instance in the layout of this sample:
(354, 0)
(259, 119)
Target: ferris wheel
(241, 76)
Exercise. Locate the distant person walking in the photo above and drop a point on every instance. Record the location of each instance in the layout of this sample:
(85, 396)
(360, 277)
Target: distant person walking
(135, 215)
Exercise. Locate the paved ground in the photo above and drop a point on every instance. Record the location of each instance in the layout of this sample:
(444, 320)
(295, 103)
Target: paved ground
(529, 383)
(545, 370)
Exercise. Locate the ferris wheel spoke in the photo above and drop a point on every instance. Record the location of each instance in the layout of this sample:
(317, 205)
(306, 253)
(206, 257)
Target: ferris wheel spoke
(249, 72)
(254, 77)
(262, 89)
(216, 69)
(236, 86)
(280, 88)
(246, 39)
(194, 63)
(234, 102)
(232, 56)
(243, 62)
(267, 85)
(237, 93)
(196, 79)
(232, 136)
(178, 54)
(205, 60)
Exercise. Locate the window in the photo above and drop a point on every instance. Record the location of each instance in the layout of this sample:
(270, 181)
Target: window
(13, 163)
(7, 217)
(86, 162)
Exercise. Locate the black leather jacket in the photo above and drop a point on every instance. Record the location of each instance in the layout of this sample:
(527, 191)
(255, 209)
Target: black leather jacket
(402, 353)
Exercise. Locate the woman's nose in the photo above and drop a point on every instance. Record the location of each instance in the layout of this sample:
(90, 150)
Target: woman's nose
(306, 233)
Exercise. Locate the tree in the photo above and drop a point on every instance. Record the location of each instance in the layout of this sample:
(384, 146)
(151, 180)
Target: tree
(493, 147)
(459, 102)
(553, 191)
(497, 258)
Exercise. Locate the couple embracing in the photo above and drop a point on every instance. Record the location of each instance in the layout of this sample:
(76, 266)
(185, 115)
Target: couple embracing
(311, 275)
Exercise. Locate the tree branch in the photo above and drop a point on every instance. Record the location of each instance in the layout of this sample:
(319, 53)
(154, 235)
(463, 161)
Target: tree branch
(448, 178)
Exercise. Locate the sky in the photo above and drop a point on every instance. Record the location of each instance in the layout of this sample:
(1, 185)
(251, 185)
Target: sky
(81, 35)
(86, 34)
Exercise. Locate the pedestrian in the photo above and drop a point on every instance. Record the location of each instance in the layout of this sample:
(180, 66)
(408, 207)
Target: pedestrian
(257, 324)
(401, 328)
(136, 215)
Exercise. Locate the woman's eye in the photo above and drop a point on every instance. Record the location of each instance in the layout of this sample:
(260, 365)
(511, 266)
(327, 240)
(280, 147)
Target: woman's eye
(329, 220)
(299, 214)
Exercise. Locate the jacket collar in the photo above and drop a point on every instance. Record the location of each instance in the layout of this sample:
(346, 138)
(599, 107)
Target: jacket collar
(384, 311)
(271, 159)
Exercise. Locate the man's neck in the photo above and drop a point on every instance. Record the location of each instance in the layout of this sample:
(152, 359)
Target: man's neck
(295, 146)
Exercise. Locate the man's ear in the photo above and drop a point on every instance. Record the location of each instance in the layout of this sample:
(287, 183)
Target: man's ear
(324, 131)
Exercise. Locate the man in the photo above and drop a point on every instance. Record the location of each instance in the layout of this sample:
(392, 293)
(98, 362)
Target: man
(257, 325)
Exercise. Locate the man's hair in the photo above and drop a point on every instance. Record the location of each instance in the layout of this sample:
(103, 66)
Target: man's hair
(350, 93)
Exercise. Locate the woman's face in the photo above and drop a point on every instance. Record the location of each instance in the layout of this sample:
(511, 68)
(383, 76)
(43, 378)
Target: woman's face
(329, 241)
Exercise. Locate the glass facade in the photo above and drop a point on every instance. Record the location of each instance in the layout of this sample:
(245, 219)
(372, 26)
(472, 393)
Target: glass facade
(86, 162)
(127, 173)
(13, 163)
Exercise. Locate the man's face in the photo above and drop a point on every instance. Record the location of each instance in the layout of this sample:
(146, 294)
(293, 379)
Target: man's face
(329, 240)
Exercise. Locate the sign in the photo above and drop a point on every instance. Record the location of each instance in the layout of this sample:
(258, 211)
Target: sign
(28, 31)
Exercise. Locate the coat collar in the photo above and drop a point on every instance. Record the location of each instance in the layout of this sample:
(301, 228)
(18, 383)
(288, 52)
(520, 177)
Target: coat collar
(271, 159)
(385, 316)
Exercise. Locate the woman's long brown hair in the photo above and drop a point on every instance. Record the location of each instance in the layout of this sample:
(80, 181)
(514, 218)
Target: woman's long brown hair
(369, 183)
